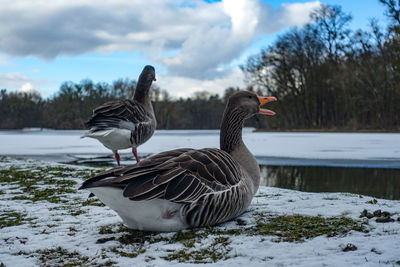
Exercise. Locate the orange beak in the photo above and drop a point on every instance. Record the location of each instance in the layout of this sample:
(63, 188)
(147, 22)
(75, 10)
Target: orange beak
(264, 100)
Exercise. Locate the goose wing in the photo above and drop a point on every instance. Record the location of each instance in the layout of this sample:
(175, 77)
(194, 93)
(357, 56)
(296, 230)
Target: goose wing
(125, 114)
(206, 181)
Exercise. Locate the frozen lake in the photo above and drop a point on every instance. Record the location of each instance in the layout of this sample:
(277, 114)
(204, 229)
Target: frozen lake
(381, 150)
(361, 163)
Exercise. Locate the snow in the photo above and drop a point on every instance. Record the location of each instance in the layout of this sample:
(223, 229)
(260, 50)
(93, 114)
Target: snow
(278, 148)
(52, 224)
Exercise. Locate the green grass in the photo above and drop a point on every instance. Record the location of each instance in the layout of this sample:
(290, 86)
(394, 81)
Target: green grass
(298, 228)
(13, 218)
(129, 236)
(132, 254)
(218, 250)
(42, 183)
(62, 257)
(92, 202)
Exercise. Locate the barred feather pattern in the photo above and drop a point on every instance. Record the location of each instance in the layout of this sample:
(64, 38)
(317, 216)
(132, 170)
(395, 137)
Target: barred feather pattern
(208, 182)
(233, 125)
(142, 132)
(125, 114)
(136, 115)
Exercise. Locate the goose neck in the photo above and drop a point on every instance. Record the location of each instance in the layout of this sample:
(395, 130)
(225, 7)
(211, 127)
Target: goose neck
(232, 143)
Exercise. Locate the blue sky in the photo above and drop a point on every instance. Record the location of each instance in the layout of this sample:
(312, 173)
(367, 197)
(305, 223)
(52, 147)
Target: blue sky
(194, 45)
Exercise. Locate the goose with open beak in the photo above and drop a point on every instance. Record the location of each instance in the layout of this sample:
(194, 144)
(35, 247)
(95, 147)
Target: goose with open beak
(186, 188)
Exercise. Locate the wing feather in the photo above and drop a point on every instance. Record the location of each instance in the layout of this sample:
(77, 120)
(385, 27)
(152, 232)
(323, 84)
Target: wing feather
(208, 182)
(188, 174)
(118, 114)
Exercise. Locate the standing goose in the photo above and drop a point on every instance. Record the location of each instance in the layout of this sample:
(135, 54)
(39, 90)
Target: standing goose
(186, 188)
(125, 123)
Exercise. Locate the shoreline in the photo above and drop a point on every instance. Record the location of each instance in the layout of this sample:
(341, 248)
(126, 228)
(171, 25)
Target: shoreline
(86, 159)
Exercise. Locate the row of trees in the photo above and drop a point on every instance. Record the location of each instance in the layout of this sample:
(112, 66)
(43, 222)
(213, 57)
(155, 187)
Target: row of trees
(74, 103)
(327, 76)
(324, 75)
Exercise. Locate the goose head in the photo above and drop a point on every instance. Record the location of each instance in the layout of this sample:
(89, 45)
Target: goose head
(249, 104)
(148, 74)
(143, 85)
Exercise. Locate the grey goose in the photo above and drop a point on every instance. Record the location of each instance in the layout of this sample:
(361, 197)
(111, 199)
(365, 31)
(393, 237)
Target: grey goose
(125, 123)
(186, 188)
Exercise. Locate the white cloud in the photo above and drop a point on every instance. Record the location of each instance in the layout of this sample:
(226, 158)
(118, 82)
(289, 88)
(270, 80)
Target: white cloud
(179, 86)
(287, 15)
(298, 13)
(26, 87)
(17, 81)
(5, 61)
(204, 37)
(34, 71)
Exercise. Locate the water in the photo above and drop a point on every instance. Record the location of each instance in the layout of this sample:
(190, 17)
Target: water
(376, 182)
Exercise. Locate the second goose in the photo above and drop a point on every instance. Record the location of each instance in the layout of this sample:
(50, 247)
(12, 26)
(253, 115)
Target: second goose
(125, 123)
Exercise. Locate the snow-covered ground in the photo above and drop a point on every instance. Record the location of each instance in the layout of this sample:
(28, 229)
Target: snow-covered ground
(45, 221)
(43, 226)
(328, 149)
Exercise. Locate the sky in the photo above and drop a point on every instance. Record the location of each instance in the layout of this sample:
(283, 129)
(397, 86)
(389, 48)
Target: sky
(194, 45)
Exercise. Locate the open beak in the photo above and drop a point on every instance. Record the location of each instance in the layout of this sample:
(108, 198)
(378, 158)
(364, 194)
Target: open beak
(264, 100)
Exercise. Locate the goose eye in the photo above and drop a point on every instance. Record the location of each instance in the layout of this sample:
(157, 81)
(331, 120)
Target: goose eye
(249, 96)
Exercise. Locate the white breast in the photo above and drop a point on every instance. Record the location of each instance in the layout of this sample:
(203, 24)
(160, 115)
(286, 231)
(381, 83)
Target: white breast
(146, 215)
(113, 139)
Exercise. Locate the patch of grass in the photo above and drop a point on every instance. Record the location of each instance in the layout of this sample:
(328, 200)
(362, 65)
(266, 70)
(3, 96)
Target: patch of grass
(76, 212)
(187, 235)
(189, 243)
(52, 195)
(61, 257)
(297, 227)
(92, 202)
(12, 218)
(218, 250)
(86, 174)
(129, 236)
(39, 183)
(104, 240)
(106, 229)
(72, 231)
(218, 231)
(330, 198)
(133, 254)
(372, 201)
(268, 196)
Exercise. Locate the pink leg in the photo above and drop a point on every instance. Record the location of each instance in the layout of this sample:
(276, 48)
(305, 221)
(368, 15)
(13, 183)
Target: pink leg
(116, 155)
(135, 154)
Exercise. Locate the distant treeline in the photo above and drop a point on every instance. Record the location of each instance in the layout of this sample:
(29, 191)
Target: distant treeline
(327, 76)
(74, 103)
(324, 75)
